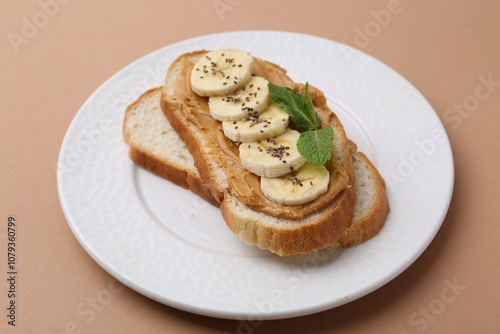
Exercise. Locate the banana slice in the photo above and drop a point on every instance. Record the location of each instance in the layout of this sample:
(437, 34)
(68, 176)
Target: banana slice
(272, 157)
(249, 100)
(270, 123)
(306, 184)
(221, 72)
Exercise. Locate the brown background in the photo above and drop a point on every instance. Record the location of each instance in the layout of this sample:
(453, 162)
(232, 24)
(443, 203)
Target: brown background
(442, 47)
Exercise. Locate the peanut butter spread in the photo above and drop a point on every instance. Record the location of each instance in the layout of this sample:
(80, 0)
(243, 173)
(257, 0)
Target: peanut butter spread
(242, 183)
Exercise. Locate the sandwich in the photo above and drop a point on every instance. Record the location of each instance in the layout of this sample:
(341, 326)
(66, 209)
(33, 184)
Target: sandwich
(220, 126)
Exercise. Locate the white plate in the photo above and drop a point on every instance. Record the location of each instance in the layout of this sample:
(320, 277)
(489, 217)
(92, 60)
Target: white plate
(169, 245)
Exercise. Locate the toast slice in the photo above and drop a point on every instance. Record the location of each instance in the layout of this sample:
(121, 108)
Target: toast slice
(155, 146)
(293, 230)
(371, 207)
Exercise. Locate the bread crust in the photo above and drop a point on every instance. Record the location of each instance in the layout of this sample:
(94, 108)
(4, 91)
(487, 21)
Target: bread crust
(369, 224)
(317, 232)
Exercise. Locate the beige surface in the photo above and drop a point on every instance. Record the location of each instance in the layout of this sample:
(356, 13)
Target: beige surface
(445, 48)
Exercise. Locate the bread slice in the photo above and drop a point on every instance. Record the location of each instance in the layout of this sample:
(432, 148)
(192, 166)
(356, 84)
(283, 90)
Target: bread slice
(371, 207)
(309, 231)
(155, 146)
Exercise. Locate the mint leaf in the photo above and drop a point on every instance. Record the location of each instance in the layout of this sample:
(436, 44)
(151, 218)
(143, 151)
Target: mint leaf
(299, 107)
(311, 113)
(316, 146)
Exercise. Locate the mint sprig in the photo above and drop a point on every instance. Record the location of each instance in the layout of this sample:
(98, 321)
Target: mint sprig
(299, 107)
(315, 143)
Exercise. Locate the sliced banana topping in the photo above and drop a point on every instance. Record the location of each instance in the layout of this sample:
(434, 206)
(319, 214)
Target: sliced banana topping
(272, 157)
(268, 147)
(270, 123)
(249, 100)
(221, 72)
(299, 187)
